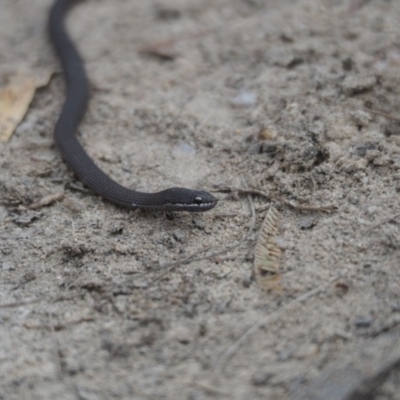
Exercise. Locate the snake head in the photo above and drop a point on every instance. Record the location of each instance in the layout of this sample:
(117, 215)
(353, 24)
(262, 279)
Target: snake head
(181, 199)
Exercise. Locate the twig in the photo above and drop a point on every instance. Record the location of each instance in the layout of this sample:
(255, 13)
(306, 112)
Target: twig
(59, 326)
(255, 192)
(78, 188)
(383, 222)
(210, 389)
(166, 49)
(222, 216)
(20, 303)
(47, 200)
(29, 302)
(235, 346)
(382, 114)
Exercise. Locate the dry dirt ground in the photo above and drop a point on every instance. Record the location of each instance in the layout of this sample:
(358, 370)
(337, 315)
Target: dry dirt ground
(297, 99)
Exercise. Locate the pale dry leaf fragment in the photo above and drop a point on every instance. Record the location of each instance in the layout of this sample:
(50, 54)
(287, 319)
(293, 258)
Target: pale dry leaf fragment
(14, 102)
(15, 99)
(267, 252)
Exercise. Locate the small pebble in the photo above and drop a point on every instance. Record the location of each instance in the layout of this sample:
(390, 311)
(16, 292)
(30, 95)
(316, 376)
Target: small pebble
(167, 14)
(73, 205)
(195, 395)
(281, 57)
(199, 223)
(395, 306)
(307, 223)
(255, 148)
(347, 64)
(184, 148)
(261, 378)
(116, 228)
(363, 322)
(179, 235)
(140, 284)
(361, 118)
(372, 210)
(269, 147)
(25, 220)
(353, 85)
(7, 266)
(286, 353)
(244, 99)
(353, 199)
(247, 278)
(361, 149)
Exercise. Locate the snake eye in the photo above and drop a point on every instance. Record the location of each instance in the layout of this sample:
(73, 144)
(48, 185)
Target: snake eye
(198, 200)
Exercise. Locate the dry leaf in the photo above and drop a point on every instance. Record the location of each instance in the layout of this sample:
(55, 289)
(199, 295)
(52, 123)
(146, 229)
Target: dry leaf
(15, 99)
(267, 253)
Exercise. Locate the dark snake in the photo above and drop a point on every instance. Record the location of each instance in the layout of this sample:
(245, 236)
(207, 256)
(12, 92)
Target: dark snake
(76, 102)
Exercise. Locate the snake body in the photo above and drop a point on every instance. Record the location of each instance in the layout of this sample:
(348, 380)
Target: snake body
(75, 105)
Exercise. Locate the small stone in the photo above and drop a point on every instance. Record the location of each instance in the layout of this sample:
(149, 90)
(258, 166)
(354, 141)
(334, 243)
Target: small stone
(73, 205)
(353, 85)
(139, 284)
(372, 210)
(121, 248)
(167, 14)
(341, 288)
(244, 99)
(195, 395)
(255, 148)
(361, 149)
(282, 57)
(363, 322)
(7, 266)
(317, 128)
(73, 367)
(116, 228)
(286, 353)
(28, 277)
(199, 223)
(179, 235)
(392, 128)
(371, 155)
(74, 249)
(182, 334)
(27, 219)
(307, 223)
(361, 118)
(395, 306)
(353, 199)
(269, 147)
(247, 278)
(261, 378)
(347, 64)
(183, 148)
(307, 351)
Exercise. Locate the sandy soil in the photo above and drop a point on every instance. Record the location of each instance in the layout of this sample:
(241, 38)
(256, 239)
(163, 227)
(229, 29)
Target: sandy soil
(276, 95)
